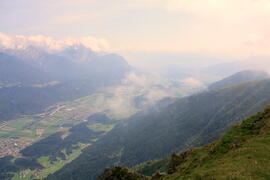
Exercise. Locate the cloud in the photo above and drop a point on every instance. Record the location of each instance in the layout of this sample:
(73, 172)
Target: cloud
(135, 79)
(91, 42)
(50, 44)
(155, 94)
(140, 91)
(135, 85)
(192, 82)
(153, 88)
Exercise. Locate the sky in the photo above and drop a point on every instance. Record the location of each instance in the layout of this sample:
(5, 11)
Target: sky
(233, 28)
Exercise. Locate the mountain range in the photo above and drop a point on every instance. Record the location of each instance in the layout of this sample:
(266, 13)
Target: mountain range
(32, 79)
(74, 62)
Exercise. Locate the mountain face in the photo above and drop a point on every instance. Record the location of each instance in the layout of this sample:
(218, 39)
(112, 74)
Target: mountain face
(240, 77)
(242, 153)
(47, 63)
(188, 122)
(78, 54)
(14, 70)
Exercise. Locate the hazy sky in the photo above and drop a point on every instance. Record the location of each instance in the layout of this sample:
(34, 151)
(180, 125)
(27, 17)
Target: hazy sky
(227, 27)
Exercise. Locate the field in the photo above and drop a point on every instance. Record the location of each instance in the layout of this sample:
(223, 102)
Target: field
(48, 167)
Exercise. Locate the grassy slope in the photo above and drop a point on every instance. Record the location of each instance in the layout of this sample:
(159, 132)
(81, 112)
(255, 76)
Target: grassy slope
(150, 167)
(242, 153)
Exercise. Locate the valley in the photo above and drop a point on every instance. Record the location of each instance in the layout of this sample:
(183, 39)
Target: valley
(60, 117)
(44, 144)
(20, 133)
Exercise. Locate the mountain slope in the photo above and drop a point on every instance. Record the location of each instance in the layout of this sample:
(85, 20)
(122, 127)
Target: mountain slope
(240, 77)
(189, 122)
(242, 153)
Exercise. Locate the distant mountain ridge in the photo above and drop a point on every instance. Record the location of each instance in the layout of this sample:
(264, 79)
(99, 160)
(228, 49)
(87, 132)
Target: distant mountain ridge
(74, 62)
(240, 77)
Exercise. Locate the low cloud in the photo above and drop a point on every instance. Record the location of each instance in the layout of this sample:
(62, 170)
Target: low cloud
(135, 79)
(192, 82)
(51, 44)
(150, 89)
